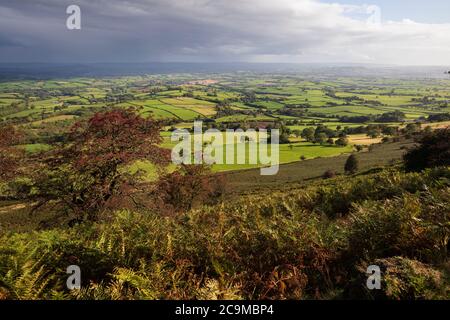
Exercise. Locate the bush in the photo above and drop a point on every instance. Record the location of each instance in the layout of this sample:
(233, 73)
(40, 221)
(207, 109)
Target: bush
(410, 225)
(186, 188)
(329, 174)
(433, 151)
(401, 279)
(351, 165)
(342, 142)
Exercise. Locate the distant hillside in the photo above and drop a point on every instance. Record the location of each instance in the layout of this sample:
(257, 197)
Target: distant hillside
(34, 71)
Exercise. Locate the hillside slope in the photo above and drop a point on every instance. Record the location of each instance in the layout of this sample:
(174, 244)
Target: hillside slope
(308, 243)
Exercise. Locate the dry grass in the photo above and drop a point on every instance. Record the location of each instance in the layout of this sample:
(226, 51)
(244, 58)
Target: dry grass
(292, 174)
(363, 139)
(439, 125)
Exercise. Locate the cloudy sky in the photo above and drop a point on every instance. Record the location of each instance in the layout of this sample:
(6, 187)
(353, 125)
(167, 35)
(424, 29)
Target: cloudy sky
(406, 32)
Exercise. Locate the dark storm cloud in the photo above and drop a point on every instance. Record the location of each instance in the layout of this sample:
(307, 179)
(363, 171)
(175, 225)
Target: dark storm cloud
(6, 41)
(204, 30)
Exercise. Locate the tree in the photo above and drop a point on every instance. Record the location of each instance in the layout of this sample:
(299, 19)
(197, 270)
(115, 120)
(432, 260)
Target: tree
(433, 150)
(297, 133)
(389, 131)
(308, 134)
(412, 128)
(88, 172)
(351, 165)
(359, 147)
(284, 138)
(395, 116)
(374, 133)
(324, 129)
(439, 117)
(342, 142)
(321, 138)
(248, 97)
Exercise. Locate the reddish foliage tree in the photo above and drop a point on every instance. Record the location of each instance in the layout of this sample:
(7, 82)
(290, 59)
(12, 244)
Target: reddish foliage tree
(114, 138)
(88, 173)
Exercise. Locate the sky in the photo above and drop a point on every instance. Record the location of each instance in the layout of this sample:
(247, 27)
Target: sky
(397, 32)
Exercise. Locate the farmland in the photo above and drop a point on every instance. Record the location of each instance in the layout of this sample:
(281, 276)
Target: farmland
(323, 98)
(46, 108)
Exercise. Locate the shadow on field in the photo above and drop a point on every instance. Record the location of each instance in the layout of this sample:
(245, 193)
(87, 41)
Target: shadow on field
(292, 174)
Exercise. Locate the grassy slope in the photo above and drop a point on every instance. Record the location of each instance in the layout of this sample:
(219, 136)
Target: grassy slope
(310, 243)
(15, 216)
(299, 172)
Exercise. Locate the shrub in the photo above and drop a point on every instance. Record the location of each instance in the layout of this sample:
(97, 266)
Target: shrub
(351, 165)
(409, 225)
(401, 279)
(342, 142)
(186, 188)
(433, 151)
(329, 174)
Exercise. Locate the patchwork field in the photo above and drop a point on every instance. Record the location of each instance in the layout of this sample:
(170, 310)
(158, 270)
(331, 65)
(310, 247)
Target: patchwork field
(292, 104)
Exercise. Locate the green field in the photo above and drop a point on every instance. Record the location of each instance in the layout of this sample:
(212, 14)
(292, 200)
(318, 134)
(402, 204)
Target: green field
(225, 101)
(83, 184)
(291, 175)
